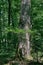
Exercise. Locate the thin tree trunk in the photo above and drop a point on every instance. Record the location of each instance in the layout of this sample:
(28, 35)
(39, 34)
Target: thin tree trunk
(25, 24)
(9, 12)
(0, 30)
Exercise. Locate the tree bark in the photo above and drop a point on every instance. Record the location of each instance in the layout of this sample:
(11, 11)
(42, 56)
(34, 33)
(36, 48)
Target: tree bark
(25, 24)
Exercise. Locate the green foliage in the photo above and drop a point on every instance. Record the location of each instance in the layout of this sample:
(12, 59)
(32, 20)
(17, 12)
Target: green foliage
(37, 24)
(9, 39)
(9, 33)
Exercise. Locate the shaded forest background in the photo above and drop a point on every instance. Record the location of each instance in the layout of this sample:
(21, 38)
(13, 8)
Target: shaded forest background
(11, 32)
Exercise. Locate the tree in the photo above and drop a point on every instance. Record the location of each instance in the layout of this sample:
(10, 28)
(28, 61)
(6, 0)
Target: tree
(25, 24)
(16, 19)
(9, 12)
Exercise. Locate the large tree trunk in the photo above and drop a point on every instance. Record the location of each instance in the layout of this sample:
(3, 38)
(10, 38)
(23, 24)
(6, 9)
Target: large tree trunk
(25, 24)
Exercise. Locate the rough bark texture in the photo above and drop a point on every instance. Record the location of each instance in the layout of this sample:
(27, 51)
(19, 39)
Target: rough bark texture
(25, 24)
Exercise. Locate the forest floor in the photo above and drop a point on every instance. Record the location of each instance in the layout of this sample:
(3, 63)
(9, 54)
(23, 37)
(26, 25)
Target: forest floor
(22, 62)
(26, 63)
